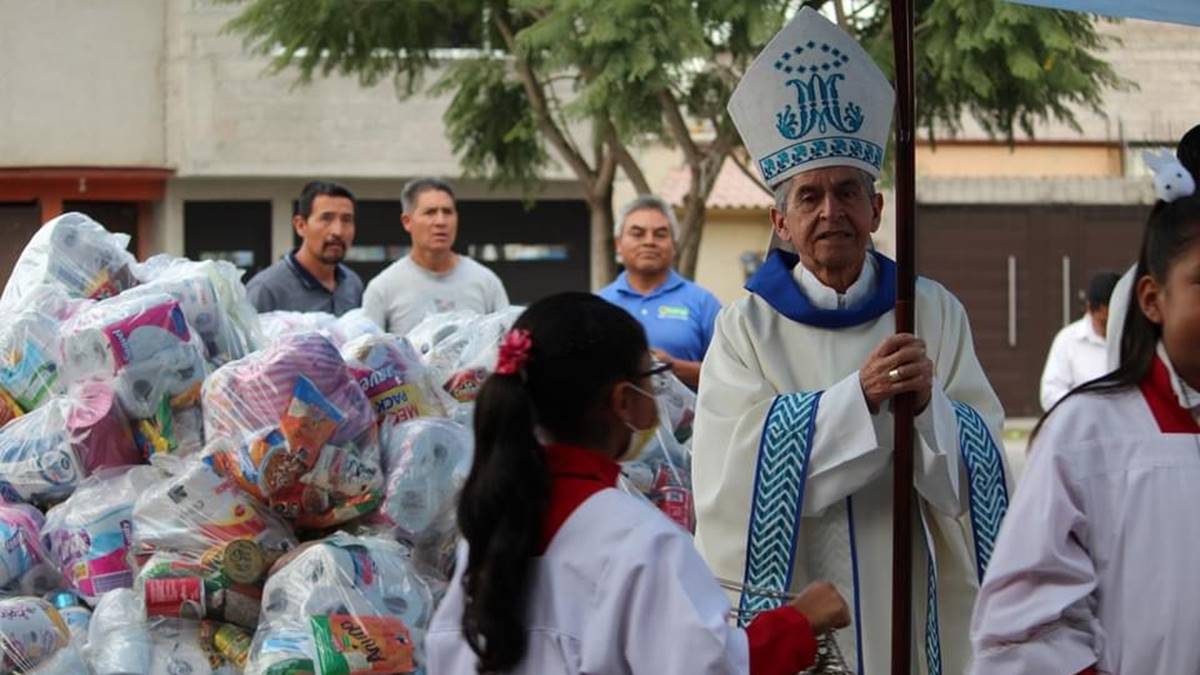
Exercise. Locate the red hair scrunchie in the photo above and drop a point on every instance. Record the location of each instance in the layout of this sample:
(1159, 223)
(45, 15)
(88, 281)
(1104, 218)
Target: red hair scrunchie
(514, 352)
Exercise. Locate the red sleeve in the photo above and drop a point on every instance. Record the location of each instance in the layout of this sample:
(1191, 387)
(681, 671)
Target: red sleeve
(1090, 670)
(781, 642)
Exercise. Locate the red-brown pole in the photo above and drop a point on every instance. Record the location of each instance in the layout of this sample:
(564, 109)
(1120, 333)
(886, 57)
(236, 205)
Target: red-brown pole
(902, 495)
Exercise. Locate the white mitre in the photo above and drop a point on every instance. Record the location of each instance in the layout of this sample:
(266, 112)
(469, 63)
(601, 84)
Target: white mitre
(813, 98)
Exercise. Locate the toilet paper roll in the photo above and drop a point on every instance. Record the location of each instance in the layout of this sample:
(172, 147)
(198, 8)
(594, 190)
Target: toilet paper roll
(33, 632)
(37, 460)
(87, 352)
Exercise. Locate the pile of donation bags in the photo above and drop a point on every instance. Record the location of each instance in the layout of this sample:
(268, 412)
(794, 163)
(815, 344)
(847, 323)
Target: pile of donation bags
(189, 487)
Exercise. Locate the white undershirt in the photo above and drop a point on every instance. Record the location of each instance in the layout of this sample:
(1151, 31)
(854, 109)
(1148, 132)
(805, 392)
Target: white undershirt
(824, 297)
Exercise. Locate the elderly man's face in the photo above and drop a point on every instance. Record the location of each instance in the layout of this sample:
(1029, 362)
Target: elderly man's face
(645, 244)
(829, 218)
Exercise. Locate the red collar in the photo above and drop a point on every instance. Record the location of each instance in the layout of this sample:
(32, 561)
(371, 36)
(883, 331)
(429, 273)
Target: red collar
(576, 474)
(1156, 388)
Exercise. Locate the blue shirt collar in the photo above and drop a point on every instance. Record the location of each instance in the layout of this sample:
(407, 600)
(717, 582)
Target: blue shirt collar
(673, 282)
(307, 278)
(775, 284)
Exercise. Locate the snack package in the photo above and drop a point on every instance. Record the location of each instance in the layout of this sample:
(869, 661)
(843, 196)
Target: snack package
(343, 606)
(35, 640)
(20, 541)
(29, 346)
(391, 374)
(292, 428)
(210, 544)
(76, 254)
(144, 343)
(89, 537)
(427, 461)
(39, 455)
(122, 640)
(213, 300)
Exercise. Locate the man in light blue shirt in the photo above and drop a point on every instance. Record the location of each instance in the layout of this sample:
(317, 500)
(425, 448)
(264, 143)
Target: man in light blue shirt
(677, 314)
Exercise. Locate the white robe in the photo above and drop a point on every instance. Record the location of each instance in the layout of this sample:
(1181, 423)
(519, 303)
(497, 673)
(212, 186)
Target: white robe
(620, 589)
(757, 386)
(1096, 561)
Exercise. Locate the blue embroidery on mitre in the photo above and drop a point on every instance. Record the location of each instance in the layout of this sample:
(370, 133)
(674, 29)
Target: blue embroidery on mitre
(778, 500)
(818, 104)
(985, 480)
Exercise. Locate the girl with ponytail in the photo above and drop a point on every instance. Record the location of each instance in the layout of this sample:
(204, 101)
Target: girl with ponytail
(559, 571)
(1094, 568)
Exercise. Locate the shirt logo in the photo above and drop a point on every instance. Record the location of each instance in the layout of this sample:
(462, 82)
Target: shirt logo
(673, 313)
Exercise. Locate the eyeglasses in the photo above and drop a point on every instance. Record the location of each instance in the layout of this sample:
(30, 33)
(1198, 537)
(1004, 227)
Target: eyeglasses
(657, 369)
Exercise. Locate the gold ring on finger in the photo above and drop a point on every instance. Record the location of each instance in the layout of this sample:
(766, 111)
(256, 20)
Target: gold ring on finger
(894, 374)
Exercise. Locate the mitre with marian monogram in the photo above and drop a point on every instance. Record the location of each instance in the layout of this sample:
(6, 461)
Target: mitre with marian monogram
(813, 98)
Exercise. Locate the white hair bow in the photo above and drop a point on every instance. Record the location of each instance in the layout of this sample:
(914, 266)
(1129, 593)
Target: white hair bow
(1171, 179)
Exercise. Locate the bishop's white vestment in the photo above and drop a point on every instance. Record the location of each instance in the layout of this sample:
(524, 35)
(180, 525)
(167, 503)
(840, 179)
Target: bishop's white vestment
(782, 421)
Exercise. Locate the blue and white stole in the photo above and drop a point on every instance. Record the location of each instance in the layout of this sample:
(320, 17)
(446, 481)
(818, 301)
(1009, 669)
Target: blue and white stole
(786, 444)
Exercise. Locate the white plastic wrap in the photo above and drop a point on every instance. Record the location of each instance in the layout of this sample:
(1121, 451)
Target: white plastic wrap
(211, 545)
(20, 541)
(427, 462)
(663, 472)
(123, 641)
(75, 253)
(213, 299)
(293, 428)
(144, 343)
(89, 537)
(339, 330)
(460, 350)
(29, 344)
(75, 614)
(39, 460)
(35, 640)
(390, 373)
(344, 605)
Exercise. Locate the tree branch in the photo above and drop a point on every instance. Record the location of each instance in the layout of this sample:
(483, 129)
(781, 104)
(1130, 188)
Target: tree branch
(679, 128)
(840, 12)
(537, 101)
(745, 168)
(626, 161)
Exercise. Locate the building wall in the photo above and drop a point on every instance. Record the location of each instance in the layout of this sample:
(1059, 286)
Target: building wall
(994, 159)
(727, 235)
(81, 83)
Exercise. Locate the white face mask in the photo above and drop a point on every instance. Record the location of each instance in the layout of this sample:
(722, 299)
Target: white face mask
(639, 439)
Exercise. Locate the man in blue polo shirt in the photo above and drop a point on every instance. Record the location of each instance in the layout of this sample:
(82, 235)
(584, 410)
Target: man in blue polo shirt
(677, 314)
(312, 278)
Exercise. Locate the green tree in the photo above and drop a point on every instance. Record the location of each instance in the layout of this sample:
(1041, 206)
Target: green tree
(592, 78)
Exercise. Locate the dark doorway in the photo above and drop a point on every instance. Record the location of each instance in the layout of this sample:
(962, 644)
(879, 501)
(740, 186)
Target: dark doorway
(535, 252)
(235, 231)
(114, 216)
(1007, 266)
(19, 221)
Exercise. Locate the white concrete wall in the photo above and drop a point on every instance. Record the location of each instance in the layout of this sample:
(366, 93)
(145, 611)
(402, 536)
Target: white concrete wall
(81, 83)
(229, 117)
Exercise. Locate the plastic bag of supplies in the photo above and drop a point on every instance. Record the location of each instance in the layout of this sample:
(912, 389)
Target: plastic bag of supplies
(20, 541)
(35, 640)
(75, 253)
(292, 428)
(343, 606)
(210, 545)
(30, 346)
(663, 471)
(391, 374)
(89, 537)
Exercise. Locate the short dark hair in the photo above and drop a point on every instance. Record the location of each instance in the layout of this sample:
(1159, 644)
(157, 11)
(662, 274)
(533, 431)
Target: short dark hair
(1188, 151)
(316, 188)
(414, 188)
(1100, 289)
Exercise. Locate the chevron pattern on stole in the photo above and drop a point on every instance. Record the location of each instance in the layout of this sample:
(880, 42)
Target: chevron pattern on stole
(933, 637)
(777, 501)
(985, 480)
